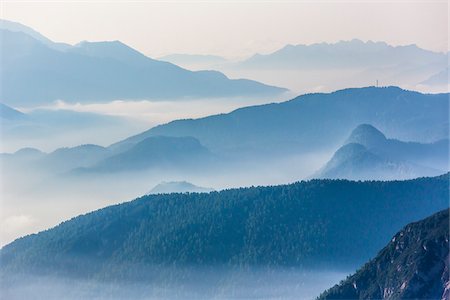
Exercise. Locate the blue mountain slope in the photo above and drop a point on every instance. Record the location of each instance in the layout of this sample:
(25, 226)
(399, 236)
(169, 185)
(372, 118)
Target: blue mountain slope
(314, 122)
(10, 114)
(159, 152)
(319, 222)
(17, 27)
(368, 154)
(104, 71)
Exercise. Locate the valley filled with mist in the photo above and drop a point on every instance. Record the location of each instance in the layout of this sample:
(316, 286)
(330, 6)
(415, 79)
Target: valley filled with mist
(294, 174)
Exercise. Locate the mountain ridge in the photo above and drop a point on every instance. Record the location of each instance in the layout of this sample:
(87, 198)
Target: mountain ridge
(159, 229)
(368, 154)
(105, 71)
(413, 265)
(317, 120)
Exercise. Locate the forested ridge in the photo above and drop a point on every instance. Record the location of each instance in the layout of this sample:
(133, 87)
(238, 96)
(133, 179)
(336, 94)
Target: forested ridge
(328, 223)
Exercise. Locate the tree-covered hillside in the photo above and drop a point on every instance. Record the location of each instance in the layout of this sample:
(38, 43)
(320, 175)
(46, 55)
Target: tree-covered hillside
(328, 223)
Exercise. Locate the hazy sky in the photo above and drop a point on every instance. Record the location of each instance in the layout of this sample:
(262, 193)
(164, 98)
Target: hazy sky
(234, 28)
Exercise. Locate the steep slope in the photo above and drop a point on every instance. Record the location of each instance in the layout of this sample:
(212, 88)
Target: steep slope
(368, 154)
(434, 155)
(320, 222)
(314, 122)
(414, 265)
(354, 161)
(178, 187)
(104, 71)
(17, 27)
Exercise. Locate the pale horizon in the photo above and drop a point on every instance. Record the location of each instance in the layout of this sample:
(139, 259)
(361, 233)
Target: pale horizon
(178, 27)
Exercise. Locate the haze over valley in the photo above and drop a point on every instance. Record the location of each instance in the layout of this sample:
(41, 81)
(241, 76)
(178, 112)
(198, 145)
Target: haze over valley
(165, 155)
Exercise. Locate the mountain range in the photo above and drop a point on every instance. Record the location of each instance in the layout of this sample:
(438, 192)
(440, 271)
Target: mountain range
(155, 153)
(324, 67)
(344, 54)
(414, 265)
(313, 122)
(35, 71)
(368, 154)
(308, 124)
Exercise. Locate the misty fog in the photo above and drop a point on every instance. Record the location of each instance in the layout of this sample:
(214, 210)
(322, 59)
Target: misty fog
(34, 200)
(185, 283)
(328, 80)
(66, 125)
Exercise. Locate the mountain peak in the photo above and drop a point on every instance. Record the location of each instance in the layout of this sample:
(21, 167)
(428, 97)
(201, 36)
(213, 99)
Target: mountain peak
(111, 49)
(367, 135)
(18, 27)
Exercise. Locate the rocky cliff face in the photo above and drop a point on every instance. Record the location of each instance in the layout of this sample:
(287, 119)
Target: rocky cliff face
(414, 265)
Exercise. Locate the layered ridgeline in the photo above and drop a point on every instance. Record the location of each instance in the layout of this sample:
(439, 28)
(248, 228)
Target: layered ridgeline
(51, 128)
(328, 66)
(305, 224)
(158, 152)
(344, 55)
(414, 265)
(37, 71)
(368, 154)
(314, 122)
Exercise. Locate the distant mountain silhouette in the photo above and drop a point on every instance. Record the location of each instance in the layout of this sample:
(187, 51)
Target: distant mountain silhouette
(10, 114)
(324, 67)
(414, 265)
(367, 135)
(368, 154)
(178, 187)
(157, 152)
(34, 73)
(66, 159)
(434, 155)
(314, 122)
(440, 78)
(51, 128)
(22, 157)
(343, 54)
(153, 153)
(17, 27)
